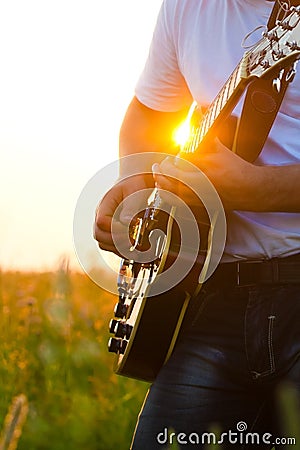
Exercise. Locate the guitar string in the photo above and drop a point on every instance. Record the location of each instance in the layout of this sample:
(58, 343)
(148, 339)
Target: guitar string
(225, 93)
(284, 6)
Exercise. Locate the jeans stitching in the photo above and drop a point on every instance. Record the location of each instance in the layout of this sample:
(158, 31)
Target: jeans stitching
(270, 343)
(255, 375)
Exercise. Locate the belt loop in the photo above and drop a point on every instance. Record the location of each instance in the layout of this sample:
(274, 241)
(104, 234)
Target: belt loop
(275, 270)
(238, 273)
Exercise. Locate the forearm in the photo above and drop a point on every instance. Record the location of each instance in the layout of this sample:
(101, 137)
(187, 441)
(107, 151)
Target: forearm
(248, 187)
(276, 188)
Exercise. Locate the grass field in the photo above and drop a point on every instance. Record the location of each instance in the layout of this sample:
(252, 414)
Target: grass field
(58, 390)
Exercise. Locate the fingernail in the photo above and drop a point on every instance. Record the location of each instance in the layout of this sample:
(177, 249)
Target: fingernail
(155, 168)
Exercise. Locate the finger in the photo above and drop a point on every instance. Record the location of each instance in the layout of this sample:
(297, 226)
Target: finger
(157, 175)
(168, 167)
(133, 204)
(107, 241)
(102, 220)
(136, 192)
(107, 207)
(166, 183)
(104, 230)
(165, 174)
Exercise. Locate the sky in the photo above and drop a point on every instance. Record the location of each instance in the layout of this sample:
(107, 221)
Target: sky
(68, 71)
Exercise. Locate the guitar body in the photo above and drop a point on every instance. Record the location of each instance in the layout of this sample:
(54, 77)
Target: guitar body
(154, 335)
(152, 321)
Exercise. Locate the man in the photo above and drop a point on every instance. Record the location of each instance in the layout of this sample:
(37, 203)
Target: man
(243, 343)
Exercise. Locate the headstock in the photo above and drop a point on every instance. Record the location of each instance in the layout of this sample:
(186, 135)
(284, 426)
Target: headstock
(278, 48)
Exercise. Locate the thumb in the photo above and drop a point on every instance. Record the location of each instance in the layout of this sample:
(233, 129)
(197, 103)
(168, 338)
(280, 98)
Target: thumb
(134, 204)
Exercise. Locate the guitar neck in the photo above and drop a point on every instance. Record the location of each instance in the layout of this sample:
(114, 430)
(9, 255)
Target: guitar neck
(219, 109)
(278, 48)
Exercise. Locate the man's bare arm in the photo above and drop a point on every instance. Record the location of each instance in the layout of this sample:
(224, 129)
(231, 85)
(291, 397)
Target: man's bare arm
(240, 184)
(278, 188)
(146, 130)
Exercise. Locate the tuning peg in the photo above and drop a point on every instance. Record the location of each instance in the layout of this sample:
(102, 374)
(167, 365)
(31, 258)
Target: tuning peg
(265, 64)
(291, 73)
(292, 45)
(276, 85)
(277, 81)
(271, 35)
(285, 25)
(277, 54)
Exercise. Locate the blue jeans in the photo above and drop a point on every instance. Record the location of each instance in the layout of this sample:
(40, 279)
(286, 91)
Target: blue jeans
(230, 373)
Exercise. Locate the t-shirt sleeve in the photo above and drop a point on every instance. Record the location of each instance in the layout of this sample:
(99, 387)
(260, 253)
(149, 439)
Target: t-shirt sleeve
(161, 85)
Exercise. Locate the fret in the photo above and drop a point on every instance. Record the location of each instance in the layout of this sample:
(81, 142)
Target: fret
(220, 102)
(191, 141)
(187, 147)
(198, 139)
(226, 94)
(190, 145)
(194, 143)
(205, 126)
(236, 77)
(201, 135)
(218, 105)
(214, 109)
(227, 91)
(209, 120)
(233, 81)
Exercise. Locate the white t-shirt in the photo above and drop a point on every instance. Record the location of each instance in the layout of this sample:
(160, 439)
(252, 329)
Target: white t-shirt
(196, 45)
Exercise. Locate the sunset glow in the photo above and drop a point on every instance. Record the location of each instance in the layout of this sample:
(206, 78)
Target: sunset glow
(68, 74)
(181, 134)
(183, 131)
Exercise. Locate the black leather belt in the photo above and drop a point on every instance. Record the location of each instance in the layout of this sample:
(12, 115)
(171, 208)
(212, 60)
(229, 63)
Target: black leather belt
(248, 273)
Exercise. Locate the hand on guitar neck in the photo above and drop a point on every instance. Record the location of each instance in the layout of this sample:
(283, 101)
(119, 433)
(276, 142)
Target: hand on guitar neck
(233, 178)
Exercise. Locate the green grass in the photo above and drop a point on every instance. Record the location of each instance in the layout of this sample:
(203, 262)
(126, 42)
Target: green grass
(57, 387)
(53, 351)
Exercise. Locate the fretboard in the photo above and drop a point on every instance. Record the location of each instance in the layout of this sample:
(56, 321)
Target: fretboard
(222, 105)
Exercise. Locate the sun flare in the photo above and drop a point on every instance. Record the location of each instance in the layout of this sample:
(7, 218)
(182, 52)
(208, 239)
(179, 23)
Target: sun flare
(183, 131)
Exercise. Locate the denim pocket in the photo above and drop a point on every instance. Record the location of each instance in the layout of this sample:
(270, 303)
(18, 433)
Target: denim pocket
(260, 321)
(272, 331)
